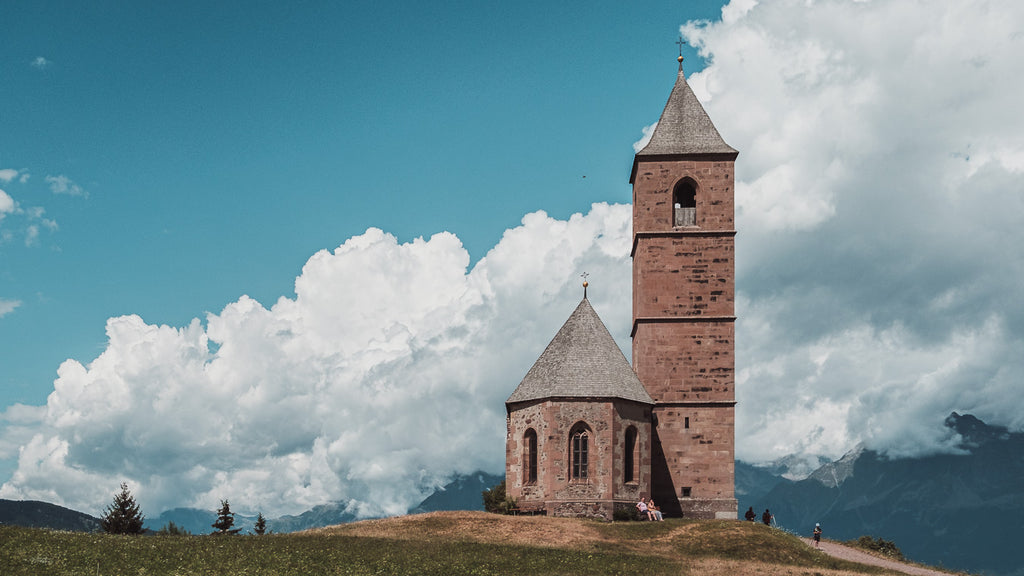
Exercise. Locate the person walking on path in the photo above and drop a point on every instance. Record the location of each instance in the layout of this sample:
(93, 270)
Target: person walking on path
(817, 535)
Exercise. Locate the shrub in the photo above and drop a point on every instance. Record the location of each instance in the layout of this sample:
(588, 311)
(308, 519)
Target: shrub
(624, 515)
(172, 529)
(496, 501)
(884, 547)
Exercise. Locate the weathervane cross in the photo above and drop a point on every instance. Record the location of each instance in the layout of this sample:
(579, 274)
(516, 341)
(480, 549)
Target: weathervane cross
(585, 283)
(681, 42)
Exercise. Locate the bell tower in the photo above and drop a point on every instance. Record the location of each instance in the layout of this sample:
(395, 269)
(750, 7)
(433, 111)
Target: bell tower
(683, 306)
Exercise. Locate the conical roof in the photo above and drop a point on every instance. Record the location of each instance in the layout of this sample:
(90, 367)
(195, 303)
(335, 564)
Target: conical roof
(684, 128)
(582, 361)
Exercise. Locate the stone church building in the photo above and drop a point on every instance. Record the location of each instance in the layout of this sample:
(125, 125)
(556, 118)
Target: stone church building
(588, 433)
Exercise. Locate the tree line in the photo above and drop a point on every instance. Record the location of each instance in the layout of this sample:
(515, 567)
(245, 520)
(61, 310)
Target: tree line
(123, 516)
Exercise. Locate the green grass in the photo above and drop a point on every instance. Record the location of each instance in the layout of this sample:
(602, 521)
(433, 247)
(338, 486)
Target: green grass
(25, 551)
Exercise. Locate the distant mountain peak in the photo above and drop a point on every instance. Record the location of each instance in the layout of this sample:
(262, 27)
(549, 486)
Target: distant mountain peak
(835, 473)
(974, 431)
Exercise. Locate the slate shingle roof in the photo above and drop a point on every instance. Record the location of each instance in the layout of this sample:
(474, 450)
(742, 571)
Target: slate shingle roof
(684, 128)
(581, 361)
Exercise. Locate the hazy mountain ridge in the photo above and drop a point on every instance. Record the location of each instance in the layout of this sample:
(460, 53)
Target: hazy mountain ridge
(35, 514)
(962, 511)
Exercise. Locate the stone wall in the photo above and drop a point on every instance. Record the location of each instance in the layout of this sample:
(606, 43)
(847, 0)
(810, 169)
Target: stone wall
(655, 181)
(683, 333)
(555, 491)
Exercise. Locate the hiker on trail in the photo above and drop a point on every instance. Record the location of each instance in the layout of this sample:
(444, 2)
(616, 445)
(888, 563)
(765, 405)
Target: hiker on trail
(817, 535)
(750, 515)
(642, 507)
(766, 517)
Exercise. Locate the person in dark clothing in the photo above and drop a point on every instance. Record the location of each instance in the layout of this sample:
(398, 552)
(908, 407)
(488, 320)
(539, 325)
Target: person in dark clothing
(766, 517)
(750, 515)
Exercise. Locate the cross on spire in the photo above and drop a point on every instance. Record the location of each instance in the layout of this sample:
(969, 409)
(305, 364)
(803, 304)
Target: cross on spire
(680, 42)
(585, 284)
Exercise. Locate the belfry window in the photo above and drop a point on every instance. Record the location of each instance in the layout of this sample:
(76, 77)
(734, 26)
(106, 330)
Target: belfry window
(579, 448)
(530, 457)
(629, 462)
(684, 203)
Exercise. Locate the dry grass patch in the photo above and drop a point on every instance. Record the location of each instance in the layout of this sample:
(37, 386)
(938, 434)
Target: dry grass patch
(480, 527)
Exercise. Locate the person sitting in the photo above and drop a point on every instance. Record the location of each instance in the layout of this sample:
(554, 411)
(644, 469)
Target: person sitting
(644, 510)
(653, 511)
(750, 515)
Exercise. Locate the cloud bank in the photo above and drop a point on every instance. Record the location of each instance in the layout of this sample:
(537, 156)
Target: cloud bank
(880, 193)
(386, 373)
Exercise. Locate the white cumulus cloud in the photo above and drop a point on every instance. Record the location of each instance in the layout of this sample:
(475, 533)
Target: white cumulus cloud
(880, 206)
(385, 374)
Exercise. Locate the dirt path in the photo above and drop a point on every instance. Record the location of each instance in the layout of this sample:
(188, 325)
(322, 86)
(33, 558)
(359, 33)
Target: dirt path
(854, 555)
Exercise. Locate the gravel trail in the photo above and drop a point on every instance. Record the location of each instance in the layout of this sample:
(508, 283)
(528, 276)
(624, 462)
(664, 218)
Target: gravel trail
(854, 555)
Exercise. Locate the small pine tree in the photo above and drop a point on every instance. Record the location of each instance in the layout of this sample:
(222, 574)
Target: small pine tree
(225, 520)
(261, 525)
(123, 515)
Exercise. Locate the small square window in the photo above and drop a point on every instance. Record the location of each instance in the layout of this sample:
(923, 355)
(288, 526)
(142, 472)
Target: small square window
(686, 492)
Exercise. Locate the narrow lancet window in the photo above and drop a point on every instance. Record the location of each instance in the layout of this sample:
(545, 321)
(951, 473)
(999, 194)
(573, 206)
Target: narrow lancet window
(629, 465)
(530, 457)
(579, 448)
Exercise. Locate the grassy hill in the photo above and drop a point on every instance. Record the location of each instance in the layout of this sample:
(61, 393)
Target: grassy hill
(442, 543)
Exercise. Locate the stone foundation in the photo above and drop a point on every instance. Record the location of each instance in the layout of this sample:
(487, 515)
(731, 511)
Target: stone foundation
(709, 509)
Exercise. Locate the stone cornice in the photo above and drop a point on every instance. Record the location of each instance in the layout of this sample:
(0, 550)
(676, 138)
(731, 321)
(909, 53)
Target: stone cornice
(679, 233)
(677, 320)
(696, 404)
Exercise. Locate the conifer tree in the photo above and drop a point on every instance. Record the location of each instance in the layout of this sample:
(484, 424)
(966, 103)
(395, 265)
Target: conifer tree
(225, 520)
(123, 515)
(261, 525)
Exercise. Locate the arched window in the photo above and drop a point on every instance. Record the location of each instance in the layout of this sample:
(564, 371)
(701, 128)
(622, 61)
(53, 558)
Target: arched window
(579, 448)
(530, 457)
(684, 203)
(629, 464)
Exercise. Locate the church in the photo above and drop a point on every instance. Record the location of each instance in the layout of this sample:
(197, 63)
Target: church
(588, 433)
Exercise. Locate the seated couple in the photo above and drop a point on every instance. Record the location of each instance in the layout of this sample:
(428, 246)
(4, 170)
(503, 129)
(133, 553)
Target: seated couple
(647, 507)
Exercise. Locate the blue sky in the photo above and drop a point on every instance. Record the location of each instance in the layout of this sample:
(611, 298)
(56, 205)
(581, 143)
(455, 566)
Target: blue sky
(264, 252)
(211, 149)
(218, 146)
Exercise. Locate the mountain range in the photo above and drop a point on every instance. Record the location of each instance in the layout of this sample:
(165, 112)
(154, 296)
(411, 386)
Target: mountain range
(963, 511)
